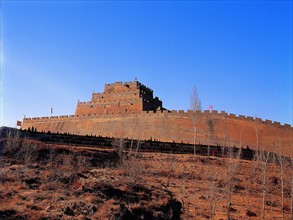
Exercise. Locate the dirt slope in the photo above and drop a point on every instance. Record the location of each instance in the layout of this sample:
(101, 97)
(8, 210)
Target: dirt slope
(65, 182)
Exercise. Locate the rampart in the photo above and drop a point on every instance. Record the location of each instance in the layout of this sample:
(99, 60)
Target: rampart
(177, 126)
(214, 128)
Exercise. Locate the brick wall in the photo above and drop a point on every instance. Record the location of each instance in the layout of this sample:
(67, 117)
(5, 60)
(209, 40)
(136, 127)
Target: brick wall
(175, 126)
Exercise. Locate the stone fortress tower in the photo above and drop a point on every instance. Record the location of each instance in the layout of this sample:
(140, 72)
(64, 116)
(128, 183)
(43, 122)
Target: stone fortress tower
(121, 97)
(130, 110)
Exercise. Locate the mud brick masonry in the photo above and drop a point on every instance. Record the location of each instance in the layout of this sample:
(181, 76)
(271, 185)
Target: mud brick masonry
(130, 110)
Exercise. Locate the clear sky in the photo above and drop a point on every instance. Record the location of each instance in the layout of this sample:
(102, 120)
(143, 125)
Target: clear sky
(237, 53)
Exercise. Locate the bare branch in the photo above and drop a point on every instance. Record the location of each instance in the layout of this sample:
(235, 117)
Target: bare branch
(194, 100)
(195, 107)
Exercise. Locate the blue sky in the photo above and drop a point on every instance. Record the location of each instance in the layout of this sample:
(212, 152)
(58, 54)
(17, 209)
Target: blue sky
(237, 53)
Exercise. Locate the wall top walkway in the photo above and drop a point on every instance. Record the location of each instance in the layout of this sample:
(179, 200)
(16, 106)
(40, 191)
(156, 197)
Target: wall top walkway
(223, 115)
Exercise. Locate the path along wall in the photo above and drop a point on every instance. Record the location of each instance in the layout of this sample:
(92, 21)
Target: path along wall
(212, 128)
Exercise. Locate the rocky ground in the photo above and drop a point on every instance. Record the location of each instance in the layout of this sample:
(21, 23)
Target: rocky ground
(67, 182)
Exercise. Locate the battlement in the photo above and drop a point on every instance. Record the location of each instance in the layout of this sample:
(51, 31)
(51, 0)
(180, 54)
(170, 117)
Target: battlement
(183, 113)
(143, 87)
(133, 85)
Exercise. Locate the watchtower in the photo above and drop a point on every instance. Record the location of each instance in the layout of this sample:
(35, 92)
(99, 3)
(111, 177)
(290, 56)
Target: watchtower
(118, 97)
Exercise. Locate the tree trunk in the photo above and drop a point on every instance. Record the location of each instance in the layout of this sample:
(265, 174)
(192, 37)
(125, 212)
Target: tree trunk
(265, 157)
(291, 189)
(263, 202)
(194, 141)
(282, 185)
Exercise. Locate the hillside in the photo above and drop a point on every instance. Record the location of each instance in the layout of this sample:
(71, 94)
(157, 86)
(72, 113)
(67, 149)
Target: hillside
(42, 180)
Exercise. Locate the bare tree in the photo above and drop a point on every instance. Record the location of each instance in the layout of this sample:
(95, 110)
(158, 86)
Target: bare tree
(185, 199)
(120, 142)
(138, 143)
(264, 156)
(20, 148)
(171, 167)
(195, 107)
(240, 135)
(13, 142)
(28, 152)
(134, 168)
(133, 134)
(55, 163)
(291, 183)
(213, 197)
(210, 122)
(257, 134)
(119, 146)
(250, 180)
(224, 136)
(281, 163)
(232, 165)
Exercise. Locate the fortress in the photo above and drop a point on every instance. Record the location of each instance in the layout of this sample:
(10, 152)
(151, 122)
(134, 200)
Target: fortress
(130, 110)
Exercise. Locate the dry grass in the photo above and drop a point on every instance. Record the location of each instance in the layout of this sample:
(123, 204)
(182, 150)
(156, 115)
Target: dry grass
(63, 182)
(68, 184)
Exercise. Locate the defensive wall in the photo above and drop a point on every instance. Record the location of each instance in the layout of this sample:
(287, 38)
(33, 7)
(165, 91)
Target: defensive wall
(214, 128)
(130, 110)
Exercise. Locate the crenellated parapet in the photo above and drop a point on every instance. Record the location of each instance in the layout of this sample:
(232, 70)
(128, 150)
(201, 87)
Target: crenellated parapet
(173, 113)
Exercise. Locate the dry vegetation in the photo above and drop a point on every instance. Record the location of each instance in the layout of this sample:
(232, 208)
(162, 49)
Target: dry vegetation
(40, 181)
